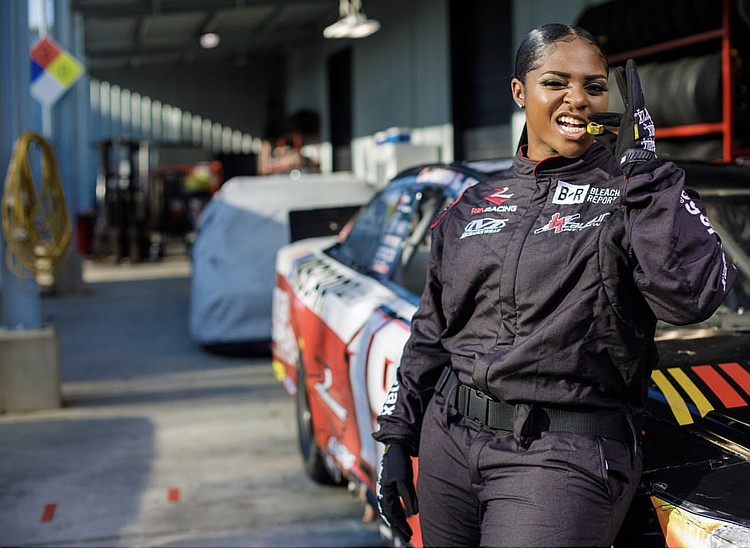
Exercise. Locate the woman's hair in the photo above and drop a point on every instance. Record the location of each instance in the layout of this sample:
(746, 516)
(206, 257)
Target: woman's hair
(533, 46)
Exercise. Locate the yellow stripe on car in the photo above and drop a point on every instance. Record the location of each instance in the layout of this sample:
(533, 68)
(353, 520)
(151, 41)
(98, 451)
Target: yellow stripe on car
(703, 404)
(674, 400)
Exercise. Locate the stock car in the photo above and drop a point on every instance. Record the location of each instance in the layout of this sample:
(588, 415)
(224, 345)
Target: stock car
(341, 316)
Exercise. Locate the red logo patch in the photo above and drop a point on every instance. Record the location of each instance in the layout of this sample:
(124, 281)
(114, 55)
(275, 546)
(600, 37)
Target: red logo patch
(499, 196)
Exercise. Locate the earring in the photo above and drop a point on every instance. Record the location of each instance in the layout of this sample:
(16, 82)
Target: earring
(521, 106)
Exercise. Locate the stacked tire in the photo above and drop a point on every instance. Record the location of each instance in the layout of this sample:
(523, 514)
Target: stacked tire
(685, 91)
(679, 90)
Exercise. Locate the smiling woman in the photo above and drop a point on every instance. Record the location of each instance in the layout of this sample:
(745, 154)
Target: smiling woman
(559, 89)
(522, 386)
(341, 319)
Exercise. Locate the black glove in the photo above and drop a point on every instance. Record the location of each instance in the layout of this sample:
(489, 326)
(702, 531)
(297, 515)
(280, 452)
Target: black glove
(635, 143)
(396, 481)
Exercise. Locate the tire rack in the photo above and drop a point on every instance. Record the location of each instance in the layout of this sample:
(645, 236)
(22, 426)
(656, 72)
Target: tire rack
(725, 128)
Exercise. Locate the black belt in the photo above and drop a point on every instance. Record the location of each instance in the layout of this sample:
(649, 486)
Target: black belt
(500, 415)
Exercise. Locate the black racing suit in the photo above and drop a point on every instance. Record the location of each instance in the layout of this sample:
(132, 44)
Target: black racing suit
(544, 288)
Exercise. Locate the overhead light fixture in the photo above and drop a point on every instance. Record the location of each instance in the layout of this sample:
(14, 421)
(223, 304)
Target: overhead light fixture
(209, 40)
(352, 22)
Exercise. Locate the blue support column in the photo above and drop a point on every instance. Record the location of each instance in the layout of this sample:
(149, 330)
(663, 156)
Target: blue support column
(70, 118)
(21, 305)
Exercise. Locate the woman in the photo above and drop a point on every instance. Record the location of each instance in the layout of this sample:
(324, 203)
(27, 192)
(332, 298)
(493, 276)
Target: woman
(522, 386)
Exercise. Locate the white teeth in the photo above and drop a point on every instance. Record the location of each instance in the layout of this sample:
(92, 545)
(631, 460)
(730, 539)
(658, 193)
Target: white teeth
(570, 120)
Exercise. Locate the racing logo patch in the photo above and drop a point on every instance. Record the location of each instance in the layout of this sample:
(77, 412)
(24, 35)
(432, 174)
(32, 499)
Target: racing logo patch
(485, 226)
(499, 196)
(498, 208)
(568, 193)
(559, 223)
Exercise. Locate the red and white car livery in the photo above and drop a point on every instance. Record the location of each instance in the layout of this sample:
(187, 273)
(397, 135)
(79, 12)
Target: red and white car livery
(341, 316)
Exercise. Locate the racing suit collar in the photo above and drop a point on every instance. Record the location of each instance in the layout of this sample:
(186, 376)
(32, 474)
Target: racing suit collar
(596, 155)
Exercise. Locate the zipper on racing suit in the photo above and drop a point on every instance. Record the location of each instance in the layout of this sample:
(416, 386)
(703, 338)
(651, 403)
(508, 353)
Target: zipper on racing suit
(508, 273)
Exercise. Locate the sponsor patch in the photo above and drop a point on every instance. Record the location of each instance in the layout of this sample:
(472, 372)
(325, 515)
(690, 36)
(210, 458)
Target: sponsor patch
(559, 223)
(500, 195)
(569, 193)
(602, 195)
(493, 209)
(485, 226)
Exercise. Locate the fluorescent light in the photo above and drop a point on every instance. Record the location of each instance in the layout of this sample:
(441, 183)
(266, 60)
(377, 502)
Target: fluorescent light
(209, 40)
(353, 26)
(352, 22)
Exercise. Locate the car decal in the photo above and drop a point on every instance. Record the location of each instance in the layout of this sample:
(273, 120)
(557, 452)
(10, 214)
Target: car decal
(374, 354)
(362, 364)
(285, 341)
(341, 453)
(716, 387)
(322, 388)
(313, 277)
(728, 396)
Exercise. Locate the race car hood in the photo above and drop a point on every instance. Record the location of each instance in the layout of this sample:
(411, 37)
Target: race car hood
(697, 428)
(710, 377)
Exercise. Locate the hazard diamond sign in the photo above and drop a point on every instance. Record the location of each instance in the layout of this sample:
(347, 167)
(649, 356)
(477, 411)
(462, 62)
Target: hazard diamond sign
(53, 71)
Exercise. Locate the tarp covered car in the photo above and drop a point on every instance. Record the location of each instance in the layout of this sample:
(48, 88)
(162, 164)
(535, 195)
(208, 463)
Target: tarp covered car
(239, 232)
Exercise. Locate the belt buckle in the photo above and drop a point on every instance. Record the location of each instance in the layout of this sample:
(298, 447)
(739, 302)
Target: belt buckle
(478, 406)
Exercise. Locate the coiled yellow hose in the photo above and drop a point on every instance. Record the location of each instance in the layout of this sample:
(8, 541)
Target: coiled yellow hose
(36, 226)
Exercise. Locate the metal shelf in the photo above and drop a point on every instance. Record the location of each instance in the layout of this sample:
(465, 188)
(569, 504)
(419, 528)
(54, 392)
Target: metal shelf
(724, 128)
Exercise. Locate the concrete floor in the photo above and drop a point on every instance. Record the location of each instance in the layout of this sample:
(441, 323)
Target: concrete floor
(158, 442)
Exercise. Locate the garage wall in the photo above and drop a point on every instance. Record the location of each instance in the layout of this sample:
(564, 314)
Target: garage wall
(400, 74)
(400, 77)
(236, 96)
